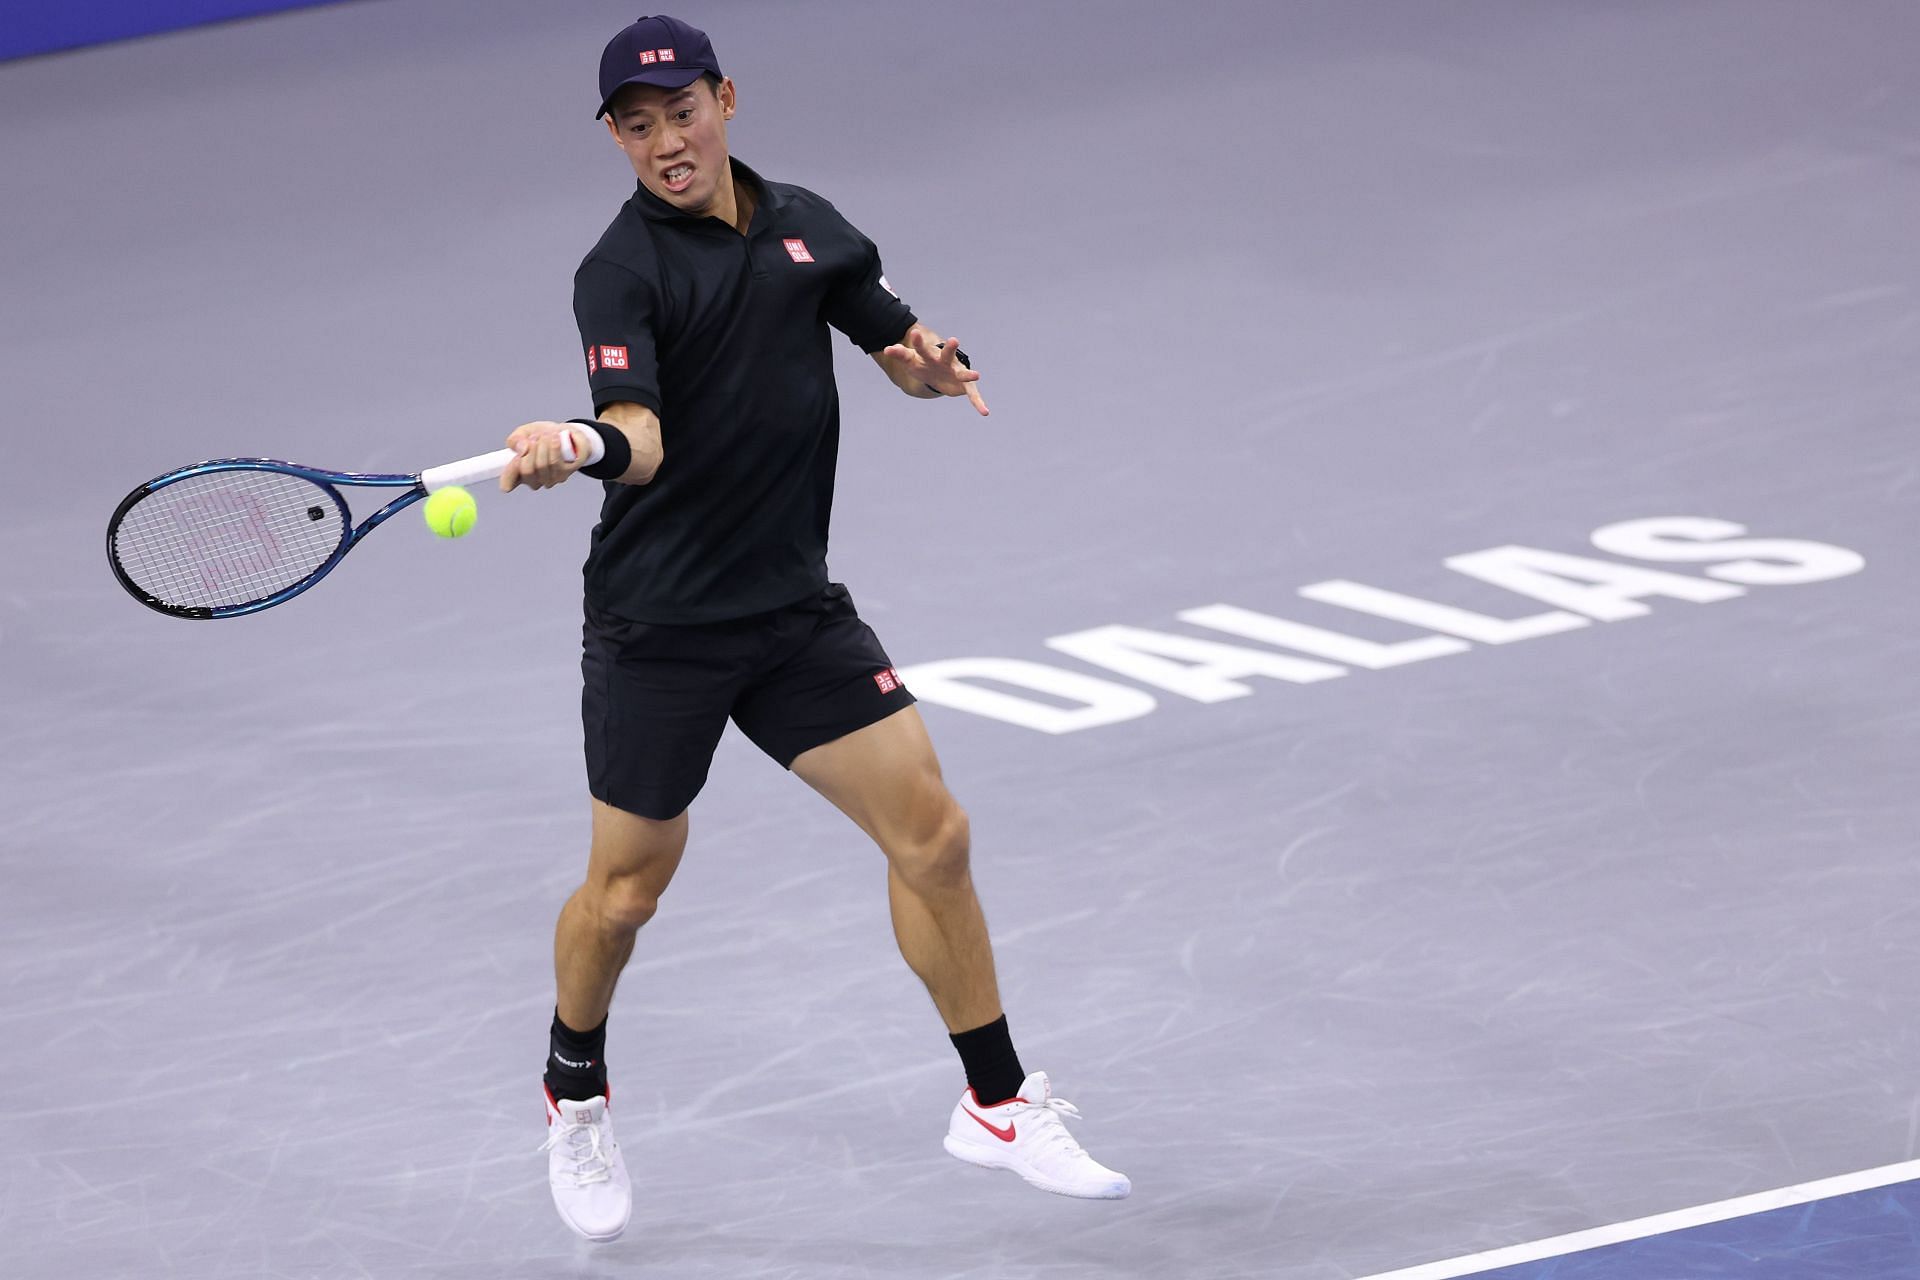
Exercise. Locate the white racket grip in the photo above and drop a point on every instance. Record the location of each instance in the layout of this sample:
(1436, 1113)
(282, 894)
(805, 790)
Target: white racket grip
(596, 447)
(484, 466)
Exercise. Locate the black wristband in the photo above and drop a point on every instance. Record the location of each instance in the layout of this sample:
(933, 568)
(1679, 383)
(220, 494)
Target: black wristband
(618, 456)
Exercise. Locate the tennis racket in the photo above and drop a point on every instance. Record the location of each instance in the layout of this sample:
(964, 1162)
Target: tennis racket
(233, 536)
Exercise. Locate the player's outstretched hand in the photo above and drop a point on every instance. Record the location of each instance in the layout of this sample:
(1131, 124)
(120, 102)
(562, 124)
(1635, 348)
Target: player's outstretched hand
(546, 453)
(935, 365)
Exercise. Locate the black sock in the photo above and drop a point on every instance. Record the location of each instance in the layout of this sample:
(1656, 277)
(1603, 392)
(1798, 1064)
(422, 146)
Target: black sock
(993, 1068)
(576, 1061)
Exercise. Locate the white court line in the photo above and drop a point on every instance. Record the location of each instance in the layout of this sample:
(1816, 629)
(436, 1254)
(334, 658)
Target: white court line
(1659, 1224)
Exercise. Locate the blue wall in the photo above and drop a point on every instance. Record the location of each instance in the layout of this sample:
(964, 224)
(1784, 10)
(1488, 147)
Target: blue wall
(41, 26)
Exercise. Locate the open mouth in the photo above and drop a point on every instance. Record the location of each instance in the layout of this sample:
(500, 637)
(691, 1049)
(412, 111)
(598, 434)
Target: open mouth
(678, 178)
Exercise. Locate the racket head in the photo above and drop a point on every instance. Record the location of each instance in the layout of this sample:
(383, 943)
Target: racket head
(227, 537)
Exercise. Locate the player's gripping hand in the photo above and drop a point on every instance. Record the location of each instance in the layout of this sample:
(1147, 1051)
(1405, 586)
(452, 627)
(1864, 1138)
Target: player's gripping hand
(935, 365)
(545, 454)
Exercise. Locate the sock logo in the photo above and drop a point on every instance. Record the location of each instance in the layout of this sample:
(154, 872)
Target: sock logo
(568, 1062)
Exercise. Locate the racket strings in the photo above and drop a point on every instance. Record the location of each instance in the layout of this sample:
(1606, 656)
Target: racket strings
(228, 537)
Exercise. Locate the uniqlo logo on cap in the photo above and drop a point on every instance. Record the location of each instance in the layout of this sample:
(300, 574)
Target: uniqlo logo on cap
(797, 250)
(613, 357)
(666, 55)
(593, 358)
(888, 680)
(649, 56)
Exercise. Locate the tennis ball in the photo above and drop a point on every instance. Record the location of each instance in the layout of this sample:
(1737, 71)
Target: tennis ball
(450, 512)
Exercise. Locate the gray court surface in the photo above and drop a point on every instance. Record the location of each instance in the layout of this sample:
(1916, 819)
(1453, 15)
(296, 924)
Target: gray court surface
(1347, 973)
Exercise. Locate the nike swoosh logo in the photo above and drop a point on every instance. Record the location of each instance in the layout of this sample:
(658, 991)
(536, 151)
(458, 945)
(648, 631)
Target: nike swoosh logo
(1005, 1135)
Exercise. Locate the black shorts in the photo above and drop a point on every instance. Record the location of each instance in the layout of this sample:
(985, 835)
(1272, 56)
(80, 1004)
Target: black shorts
(656, 698)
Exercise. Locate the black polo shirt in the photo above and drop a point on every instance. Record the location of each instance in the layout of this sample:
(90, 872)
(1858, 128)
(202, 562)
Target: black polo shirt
(725, 337)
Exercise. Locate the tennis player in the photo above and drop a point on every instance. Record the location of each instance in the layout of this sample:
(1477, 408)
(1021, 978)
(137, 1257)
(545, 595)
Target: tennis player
(704, 312)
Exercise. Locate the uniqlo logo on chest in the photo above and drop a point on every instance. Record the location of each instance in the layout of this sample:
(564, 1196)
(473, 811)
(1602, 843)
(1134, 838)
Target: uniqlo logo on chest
(797, 250)
(888, 679)
(613, 357)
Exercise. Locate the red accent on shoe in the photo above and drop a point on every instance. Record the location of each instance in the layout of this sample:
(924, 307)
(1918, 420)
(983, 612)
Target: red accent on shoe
(1005, 1135)
(1003, 1102)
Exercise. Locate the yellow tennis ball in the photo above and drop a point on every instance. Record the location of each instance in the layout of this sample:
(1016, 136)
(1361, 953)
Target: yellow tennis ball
(450, 512)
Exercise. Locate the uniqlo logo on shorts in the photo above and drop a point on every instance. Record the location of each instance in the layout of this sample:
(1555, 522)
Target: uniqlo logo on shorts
(797, 250)
(888, 680)
(613, 357)
(593, 358)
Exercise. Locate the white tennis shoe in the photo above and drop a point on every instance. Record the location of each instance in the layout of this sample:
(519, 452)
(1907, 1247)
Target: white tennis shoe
(584, 1169)
(1028, 1135)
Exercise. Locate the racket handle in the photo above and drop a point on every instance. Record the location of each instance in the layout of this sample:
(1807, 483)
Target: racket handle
(485, 466)
(596, 445)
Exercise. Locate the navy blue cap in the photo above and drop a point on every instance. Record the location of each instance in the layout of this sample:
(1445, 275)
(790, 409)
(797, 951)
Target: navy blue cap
(659, 51)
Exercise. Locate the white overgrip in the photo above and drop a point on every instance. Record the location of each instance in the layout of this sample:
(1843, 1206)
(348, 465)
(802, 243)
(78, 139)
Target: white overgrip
(482, 466)
(488, 466)
(596, 447)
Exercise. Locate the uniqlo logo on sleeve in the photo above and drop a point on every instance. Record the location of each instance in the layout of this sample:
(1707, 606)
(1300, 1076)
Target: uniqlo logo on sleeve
(613, 357)
(593, 358)
(797, 250)
(649, 56)
(888, 680)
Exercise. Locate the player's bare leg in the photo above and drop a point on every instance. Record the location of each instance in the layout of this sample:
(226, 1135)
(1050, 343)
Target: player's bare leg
(631, 862)
(887, 779)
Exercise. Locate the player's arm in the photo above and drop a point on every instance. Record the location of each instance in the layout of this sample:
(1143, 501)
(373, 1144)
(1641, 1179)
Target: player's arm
(926, 367)
(541, 460)
(641, 426)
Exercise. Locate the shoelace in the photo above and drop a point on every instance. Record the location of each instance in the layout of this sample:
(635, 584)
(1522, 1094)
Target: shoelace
(590, 1163)
(1053, 1130)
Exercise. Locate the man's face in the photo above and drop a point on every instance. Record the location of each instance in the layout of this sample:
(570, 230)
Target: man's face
(676, 140)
